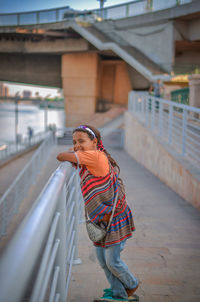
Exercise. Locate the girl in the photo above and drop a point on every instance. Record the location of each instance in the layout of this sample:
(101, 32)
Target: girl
(99, 184)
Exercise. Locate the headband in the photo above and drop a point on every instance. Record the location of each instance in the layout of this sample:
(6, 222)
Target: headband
(87, 129)
(100, 145)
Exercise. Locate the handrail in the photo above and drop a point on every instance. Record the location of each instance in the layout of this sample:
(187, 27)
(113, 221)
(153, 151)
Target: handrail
(11, 199)
(48, 229)
(125, 10)
(177, 125)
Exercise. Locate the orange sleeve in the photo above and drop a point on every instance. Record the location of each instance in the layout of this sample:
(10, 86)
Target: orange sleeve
(95, 161)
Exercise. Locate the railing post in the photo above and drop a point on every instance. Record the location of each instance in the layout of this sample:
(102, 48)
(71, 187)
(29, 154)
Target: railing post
(18, 19)
(170, 124)
(57, 15)
(77, 199)
(127, 10)
(131, 102)
(142, 107)
(184, 133)
(147, 111)
(62, 251)
(4, 218)
(153, 113)
(161, 119)
(38, 18)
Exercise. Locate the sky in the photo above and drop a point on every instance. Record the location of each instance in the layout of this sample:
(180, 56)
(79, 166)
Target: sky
(14, 6)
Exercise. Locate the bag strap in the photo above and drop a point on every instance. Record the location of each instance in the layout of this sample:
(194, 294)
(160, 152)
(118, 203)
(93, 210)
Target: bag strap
(114, 205)
(113, 210)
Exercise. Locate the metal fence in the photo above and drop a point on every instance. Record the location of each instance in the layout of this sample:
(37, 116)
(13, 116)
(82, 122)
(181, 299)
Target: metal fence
(9, 150)
(11, 199)
(128, 9)
(176, 125)
(180, 96)
(37, 264)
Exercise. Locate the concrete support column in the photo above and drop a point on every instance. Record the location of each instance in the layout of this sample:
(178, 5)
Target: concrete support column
(79, 81)
(194, 84)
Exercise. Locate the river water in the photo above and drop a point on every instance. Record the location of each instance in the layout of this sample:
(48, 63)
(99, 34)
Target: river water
(28, 115)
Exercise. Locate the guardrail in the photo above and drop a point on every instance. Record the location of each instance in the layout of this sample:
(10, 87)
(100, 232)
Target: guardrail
(37, 264)
(11, 199)
(176, 125)
(8, 150)
(128, 9)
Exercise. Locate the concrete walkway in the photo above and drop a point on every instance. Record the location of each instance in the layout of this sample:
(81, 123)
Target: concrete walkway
(164, 252)
(9, 171)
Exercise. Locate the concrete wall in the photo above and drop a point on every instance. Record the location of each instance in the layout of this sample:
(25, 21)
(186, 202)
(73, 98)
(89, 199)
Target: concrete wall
(188, 30)
(188, 57)
(147, 150)
(155, 41)
(31, 69)
(138, 81)
(56, 46)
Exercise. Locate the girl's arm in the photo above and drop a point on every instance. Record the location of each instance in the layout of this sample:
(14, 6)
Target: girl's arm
(67, 156)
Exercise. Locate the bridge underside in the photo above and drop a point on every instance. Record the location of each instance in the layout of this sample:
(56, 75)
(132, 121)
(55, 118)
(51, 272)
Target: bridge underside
(36, 69)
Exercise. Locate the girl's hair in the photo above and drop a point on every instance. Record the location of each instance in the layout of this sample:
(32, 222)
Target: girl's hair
(83, 128)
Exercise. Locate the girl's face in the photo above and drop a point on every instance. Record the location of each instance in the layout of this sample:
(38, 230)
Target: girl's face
(82, 142)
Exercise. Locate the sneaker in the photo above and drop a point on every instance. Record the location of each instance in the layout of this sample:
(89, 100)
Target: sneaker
(130, 292)
(106, 290)
(112, 299)
(107, 293)
(133, 298)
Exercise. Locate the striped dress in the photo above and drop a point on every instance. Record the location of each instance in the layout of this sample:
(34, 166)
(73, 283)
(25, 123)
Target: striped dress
(99, 194)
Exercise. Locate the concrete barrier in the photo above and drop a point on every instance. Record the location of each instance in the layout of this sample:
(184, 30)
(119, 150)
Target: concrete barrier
(180, 175)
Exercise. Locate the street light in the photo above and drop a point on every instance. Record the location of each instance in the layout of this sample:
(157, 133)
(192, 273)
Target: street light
(17, 97)
(46, 112)
(101, 2)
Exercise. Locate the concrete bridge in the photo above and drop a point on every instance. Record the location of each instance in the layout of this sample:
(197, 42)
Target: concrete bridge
(96, 61)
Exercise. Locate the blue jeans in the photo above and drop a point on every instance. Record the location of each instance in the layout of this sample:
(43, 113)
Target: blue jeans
(116, 270)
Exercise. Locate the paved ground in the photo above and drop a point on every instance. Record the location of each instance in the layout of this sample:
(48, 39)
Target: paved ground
(9, 171)
(164, 252)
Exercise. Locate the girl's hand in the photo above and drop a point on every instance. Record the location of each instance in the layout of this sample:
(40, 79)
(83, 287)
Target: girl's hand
(71, 149)
(74, 165)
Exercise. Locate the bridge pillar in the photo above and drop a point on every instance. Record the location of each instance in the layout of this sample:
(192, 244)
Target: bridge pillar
(79, 81)
(87, 79)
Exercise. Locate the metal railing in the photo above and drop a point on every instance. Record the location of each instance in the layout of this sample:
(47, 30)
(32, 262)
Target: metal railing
(9, 150)
(11, 199)
(128, 9)
(37, 264)
(176, 125)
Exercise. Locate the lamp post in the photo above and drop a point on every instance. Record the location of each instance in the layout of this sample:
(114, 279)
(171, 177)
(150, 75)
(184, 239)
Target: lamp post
(101, 2)
(17, 97)
(46, 112)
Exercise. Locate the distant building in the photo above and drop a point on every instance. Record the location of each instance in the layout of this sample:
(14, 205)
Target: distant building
(4, 90)
(26, 94)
